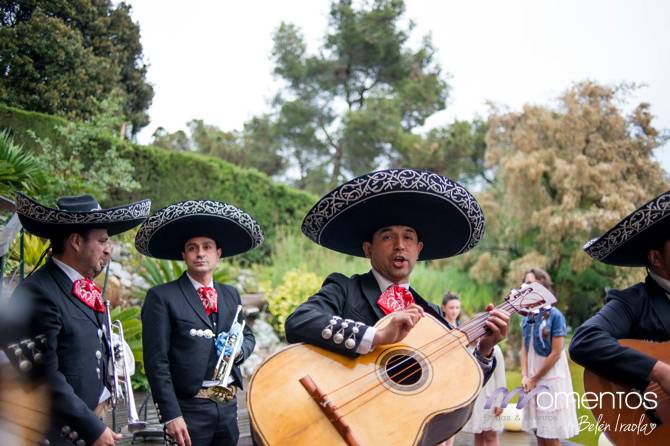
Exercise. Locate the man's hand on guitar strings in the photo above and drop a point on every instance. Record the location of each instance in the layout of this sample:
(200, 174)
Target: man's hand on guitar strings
(661, 374)
(496, 330)
(399, 326)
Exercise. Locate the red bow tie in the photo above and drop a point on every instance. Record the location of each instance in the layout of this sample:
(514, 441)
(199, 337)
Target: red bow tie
(395, 298)
(208, 297)
(88, 292)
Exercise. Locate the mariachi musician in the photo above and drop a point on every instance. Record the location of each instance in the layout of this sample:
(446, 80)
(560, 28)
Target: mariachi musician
(68, 309)
(187, 321)
(642, 311)
(394, 218)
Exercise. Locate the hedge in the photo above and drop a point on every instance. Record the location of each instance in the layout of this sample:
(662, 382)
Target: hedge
(167, 176)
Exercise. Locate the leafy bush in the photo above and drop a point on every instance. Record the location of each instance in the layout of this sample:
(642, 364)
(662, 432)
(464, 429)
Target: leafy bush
(132, 333)
(19, 170)
(293, 290)
(33, 248)
(163, 175)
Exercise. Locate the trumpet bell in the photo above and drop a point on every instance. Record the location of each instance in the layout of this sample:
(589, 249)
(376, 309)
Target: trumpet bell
(116, 341)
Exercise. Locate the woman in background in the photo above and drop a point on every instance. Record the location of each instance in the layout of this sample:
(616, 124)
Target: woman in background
(544, 362)
(486, 423)
(451, 307)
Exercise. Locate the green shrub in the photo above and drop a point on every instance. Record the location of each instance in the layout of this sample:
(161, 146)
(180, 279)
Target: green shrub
(166, 176)
(294, 289)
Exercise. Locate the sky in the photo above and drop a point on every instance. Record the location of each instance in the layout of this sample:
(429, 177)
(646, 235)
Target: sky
(210, 59)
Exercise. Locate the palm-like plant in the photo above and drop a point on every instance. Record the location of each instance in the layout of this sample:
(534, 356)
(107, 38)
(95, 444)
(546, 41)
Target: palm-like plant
(19, 170)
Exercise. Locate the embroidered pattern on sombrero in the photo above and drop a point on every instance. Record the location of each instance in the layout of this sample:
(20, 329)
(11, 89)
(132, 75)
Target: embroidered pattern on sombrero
(629, 227)
(363, 187)
(192, 208)
(35, 211)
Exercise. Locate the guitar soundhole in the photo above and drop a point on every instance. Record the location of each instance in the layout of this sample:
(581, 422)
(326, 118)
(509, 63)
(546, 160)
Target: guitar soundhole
(403, 370)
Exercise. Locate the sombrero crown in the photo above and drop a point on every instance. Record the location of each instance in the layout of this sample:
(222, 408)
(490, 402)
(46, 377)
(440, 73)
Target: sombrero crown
(447, 218)
(78, 213)
(627, 242)
(164, 234)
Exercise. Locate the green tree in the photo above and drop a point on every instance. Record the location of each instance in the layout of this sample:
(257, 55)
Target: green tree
(255, 146)
(353, 104)
(62, 56)
(178, 140)
(455, 150)
(564, 175)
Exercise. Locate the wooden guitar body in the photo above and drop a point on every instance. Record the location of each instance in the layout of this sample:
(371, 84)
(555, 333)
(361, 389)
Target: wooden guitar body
(618, 418)
(431, 400)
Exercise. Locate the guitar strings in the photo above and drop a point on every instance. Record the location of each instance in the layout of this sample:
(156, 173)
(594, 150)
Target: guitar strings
(472, 332)
(465, 329)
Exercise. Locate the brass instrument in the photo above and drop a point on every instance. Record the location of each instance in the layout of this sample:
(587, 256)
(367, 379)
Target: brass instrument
(118, 353)
(220, 391)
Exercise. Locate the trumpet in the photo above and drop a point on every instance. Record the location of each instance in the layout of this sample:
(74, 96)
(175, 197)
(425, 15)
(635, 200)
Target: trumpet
(118, 353)
(220, 391)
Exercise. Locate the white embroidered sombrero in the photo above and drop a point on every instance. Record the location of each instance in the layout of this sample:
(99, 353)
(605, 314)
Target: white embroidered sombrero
(447, 218)
(627, 242)
(164, 233)
(78, 213)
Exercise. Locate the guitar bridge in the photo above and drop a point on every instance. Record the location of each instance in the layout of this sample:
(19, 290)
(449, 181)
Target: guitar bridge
(329, 410)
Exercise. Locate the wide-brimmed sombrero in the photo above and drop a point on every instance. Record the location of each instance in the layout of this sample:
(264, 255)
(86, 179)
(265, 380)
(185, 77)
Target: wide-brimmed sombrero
(164, 234)
(447, 218)
(627, 242)
(78, 213)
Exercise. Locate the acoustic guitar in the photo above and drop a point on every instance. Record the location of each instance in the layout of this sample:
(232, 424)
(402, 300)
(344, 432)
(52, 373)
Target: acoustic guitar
(618, 417)
(416, 392)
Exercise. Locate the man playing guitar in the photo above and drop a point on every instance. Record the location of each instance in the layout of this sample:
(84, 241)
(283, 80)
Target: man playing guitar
(641, 311)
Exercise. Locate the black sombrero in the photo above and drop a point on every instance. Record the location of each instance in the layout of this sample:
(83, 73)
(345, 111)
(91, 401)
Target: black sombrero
(446, 216)
(627, 242)
(164, 233)
(77, 214)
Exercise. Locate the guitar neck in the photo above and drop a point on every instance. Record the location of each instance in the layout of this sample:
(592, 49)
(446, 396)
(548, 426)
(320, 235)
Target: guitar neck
(476, 328)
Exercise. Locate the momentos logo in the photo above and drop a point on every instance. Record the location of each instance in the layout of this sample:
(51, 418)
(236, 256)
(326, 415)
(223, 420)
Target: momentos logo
(508, 395)
(547, 399)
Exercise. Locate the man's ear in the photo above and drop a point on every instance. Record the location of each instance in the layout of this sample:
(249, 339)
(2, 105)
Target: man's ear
(367, 249)
(418, 251)
(75, 240)
(654, 258)
(218, 250)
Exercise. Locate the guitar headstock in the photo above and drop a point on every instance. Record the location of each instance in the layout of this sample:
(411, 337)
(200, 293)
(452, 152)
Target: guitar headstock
(529, 297)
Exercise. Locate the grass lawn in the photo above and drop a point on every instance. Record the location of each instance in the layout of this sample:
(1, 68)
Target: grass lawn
(577, 372)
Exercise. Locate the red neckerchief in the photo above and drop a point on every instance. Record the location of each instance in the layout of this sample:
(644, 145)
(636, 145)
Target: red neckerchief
(395, 298)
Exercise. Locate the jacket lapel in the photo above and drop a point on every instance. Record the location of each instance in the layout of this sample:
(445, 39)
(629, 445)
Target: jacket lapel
(371, 291)
(428, 308)
(226, 308)
(191, 296)
(65, 285)
(658, 293)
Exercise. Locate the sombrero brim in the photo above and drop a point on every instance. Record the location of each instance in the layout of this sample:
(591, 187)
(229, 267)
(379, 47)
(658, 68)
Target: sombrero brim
(447, 218)
(47, 222)
(627, 242)
(164, 234)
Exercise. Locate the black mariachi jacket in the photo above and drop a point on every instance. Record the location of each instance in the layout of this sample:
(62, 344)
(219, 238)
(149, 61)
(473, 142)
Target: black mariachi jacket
(75, 355)
(176, 359)
(639, 312)
(353, 298)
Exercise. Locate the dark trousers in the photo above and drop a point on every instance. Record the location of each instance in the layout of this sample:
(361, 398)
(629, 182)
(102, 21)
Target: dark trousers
(209, 423)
